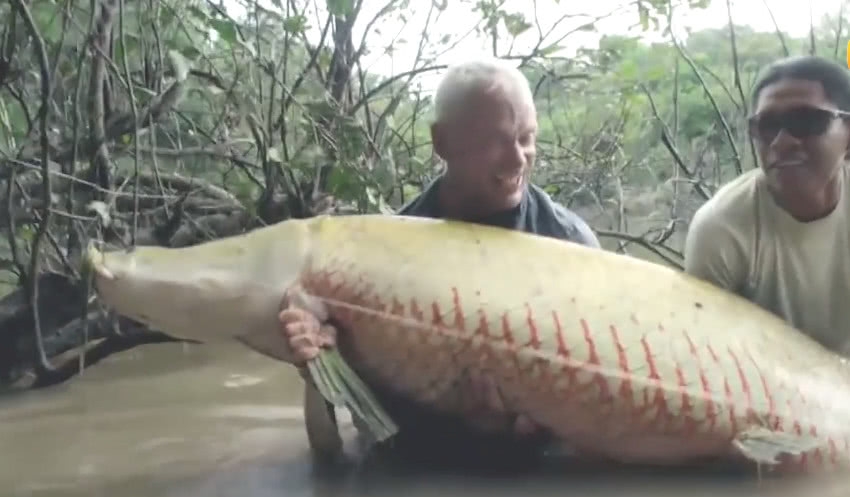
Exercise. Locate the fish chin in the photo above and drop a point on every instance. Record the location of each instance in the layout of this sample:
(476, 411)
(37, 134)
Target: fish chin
(215, 291)
(202, 307)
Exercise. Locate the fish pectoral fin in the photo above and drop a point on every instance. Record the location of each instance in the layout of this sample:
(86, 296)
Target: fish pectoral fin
(321, 424)
(765, 446)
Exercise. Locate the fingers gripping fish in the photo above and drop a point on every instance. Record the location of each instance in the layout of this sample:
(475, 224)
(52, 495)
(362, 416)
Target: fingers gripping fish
(614, 355)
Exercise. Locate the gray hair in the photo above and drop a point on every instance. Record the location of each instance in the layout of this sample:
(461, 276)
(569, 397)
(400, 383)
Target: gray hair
(462, 80)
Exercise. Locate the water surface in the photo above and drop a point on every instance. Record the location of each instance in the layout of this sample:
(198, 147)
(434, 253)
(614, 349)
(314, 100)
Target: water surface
(170, 420)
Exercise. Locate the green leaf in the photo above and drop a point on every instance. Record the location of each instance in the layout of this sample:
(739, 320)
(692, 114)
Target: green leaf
(295, 24)
(166, 18)
(343, 183)
(656, 73)
(340, 8)
(644, 16)
(225, 28)
(515, 24)
(190, 52)
(46, 14)
(629, 70)
(551, 49)
(199, 13)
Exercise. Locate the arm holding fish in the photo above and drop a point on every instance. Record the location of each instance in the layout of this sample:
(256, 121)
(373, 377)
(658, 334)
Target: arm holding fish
(307, 336)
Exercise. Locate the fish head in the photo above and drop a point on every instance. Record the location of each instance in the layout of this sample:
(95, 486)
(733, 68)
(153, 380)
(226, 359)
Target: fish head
(214, 291)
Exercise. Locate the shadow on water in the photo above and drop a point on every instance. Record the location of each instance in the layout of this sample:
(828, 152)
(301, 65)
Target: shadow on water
(201, 421)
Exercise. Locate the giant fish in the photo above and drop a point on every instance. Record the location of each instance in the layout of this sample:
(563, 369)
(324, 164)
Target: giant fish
(616, 356)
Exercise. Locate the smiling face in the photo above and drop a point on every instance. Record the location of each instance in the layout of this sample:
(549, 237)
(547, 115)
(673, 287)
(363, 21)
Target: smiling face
(489, 148)
(802, 140)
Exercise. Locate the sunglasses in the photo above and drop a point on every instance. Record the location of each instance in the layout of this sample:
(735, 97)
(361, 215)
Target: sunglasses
(800, 122)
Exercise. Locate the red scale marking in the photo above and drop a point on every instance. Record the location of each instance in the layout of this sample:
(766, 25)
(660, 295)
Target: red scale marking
(563, 350)
(437, 316)
(713, 413)
(534, 337)
(483, 326)
(818, 454)
(397, 308)
(833, 451)
(418, 315)
(687, 406)
(712, 353)
(710, 409)
(506, 329)
(774, 421)
(508, 335)
(593, 358)
(731, 402)
(324, 279)
(626, 390)
(379, 304)
(460, 319)
(745, 385)
(415, 311)
(658, 401)
(710, 414)
(570, 370)
(662, 412)
(799, 431)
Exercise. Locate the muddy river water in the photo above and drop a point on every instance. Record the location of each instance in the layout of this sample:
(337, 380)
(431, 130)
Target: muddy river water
(206, 421)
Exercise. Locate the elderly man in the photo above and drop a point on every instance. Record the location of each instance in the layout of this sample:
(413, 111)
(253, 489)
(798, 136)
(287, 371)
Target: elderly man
(485, 131)
(780, 235)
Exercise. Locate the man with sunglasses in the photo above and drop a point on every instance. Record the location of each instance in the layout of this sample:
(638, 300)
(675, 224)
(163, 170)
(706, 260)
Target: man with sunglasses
(779, 235)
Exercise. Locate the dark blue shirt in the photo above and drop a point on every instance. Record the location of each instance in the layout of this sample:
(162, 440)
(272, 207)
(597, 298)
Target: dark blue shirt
(537, 213)
(427, 438)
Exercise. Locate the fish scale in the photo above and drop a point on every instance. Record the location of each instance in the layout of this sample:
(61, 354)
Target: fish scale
(617, 356)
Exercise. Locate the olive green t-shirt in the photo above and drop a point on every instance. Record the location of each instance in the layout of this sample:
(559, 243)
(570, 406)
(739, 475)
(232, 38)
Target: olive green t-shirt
(743, 241)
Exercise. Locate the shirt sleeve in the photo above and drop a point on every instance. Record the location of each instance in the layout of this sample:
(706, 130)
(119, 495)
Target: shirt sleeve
(713, 253)
(578, 230)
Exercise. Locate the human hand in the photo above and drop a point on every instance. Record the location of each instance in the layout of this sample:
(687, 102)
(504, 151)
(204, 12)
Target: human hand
(303, 324)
